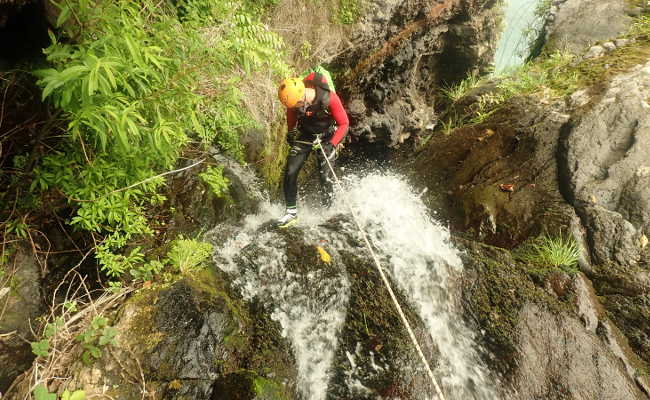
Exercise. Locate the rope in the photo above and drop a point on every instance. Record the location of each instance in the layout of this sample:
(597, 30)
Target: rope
(383, 277)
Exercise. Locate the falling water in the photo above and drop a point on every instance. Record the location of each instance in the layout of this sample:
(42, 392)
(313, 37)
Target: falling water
(423, 263)
(418, 256)
(521, 24)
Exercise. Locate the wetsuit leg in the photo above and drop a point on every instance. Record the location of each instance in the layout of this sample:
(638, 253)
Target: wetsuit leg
(297, 157)
(326, 178)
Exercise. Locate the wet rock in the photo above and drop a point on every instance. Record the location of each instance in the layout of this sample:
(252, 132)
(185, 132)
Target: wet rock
(406, 48)
(588, 307)
(560, 359)
(580, 23)
(20, 305)
(375, 347)
(471, 165)
(547, 344)
(603, 158)
(246, 385)
(197, 207)
(182, 340)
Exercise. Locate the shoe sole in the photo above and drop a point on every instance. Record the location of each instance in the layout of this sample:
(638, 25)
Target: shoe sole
(288, 224)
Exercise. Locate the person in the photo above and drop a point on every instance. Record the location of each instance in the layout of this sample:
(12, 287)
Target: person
(315, 119)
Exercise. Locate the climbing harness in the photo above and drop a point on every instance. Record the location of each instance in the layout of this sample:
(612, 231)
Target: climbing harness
(383, 277)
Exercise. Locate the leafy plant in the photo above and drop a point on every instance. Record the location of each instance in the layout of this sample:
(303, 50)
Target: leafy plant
(17, 227)
(76, 395)
(349, 11)
(93, 339)
(41, 348)
(146, 272)
(551, 251)
(213, 177)
(456, 92)
(135, 81)
(188, 254)
(41, 393)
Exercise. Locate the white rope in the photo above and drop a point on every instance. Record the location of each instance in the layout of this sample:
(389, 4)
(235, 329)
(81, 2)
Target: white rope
(383, 277)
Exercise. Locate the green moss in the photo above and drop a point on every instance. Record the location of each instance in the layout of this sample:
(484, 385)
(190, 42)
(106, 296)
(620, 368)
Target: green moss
(495, 298)
(268, 389)
(272, 160)
(142, 329)
(246, 384)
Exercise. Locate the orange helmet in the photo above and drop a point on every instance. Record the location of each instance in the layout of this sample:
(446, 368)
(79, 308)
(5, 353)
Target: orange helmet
(291, 91)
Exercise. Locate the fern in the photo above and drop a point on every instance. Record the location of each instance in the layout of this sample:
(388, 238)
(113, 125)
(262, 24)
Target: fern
(133, 79)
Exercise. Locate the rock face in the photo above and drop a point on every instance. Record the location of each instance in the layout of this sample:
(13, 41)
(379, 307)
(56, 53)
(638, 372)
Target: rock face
(549, 339)
(561, 359)
(577, 24)
(517, 147)
(607, 173)
(198, 207)
(20, 305)
(403, 52)
(190, 340)
(578, 167)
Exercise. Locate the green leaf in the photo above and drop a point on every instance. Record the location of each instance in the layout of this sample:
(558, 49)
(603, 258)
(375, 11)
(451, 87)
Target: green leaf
(41, 393)
(41, 348)
(95, 351)
(63, 16)
(108, 336)
(78, 395)
(86, 359)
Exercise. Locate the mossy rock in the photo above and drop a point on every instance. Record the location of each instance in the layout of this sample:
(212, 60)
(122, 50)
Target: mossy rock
(631, 314)
(374, 335)
(496, 288)
(247, 385)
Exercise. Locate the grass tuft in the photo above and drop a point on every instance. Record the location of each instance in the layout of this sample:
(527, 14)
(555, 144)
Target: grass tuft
(559, 251)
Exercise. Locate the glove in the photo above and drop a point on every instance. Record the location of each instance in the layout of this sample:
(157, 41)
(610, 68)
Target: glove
(330, 151)
(292, 135)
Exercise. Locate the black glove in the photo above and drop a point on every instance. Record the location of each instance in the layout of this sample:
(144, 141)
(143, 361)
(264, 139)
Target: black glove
(292, 135)
(330, 151)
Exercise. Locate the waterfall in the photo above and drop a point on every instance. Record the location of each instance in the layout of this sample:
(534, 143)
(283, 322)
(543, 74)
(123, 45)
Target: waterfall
(416, 253)
(521, 24)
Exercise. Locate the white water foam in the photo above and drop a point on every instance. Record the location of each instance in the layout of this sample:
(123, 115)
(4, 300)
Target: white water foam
(418, 254)
(310, 307)
(415, 250)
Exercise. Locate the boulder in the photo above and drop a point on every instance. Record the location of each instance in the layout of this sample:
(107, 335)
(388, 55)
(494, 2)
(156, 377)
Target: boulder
(197, 207)
(578, 24)
(604, 164)
(190, 339)
(20, 304)
(560, 359)
(498, 180)
(403, 51)
(551, 344)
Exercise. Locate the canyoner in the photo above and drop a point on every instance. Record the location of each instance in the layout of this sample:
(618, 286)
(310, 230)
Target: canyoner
(316, 120)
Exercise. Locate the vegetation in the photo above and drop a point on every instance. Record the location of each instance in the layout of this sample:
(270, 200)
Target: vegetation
(187, 255)
(559, 251)
(349, 11)
(549, 76)
(137, 83)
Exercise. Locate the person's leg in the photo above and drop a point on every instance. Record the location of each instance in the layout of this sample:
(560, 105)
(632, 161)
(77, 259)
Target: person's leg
(296, 159)
(325, 174)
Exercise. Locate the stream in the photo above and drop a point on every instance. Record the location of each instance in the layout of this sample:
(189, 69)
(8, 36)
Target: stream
(415, 251)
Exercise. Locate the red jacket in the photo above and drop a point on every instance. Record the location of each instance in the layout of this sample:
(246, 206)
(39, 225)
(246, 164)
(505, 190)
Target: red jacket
(312, 121)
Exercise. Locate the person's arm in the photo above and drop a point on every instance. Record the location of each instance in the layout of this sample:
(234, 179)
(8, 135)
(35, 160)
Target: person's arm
(341, 118)
(292, 119)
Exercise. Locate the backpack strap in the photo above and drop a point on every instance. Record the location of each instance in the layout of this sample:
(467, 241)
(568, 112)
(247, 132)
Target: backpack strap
(317, 79)
(323, 99)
